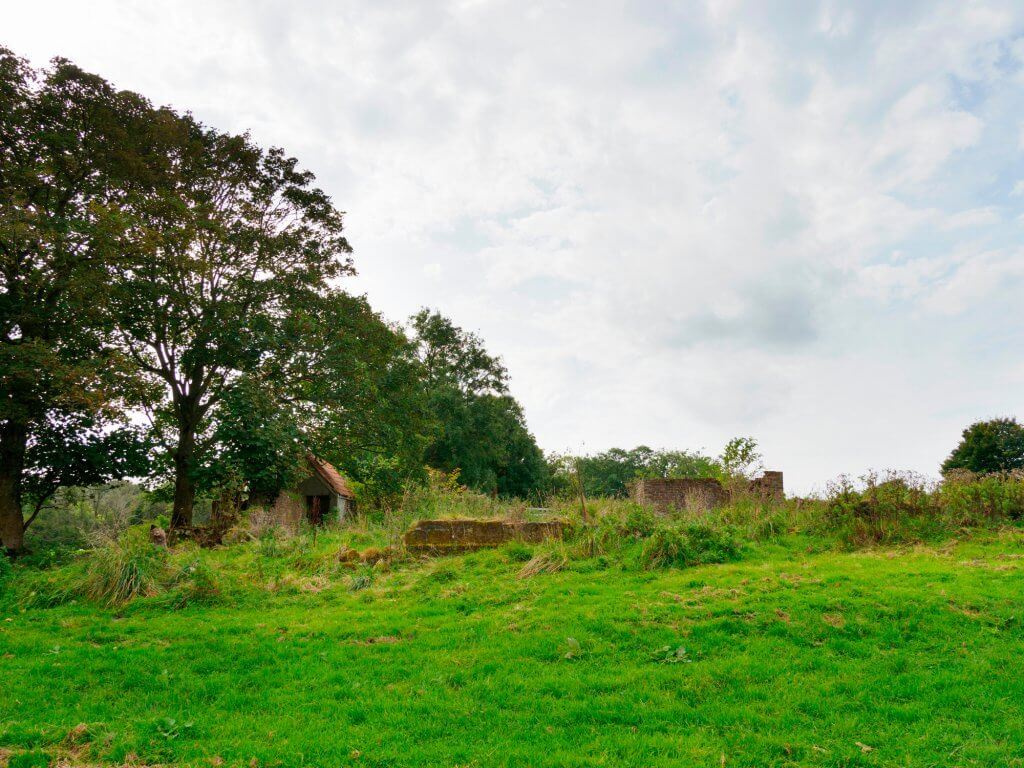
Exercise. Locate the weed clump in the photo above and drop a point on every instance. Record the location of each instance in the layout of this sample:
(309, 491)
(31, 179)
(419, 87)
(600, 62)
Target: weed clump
(126, 569)
(363, 579)
(548, 560)
(518, 552)
(5, 572)
(683, 546)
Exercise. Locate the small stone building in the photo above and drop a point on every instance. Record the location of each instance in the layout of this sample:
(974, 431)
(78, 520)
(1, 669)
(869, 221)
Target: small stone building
(700, 494)
(325, 494)
(322, 496)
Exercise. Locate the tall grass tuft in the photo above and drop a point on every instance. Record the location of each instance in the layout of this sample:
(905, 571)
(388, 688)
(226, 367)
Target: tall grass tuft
(550, 559)
(126, 569)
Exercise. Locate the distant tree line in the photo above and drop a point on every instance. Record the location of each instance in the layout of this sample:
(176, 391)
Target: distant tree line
(169, 308)
(611, 472)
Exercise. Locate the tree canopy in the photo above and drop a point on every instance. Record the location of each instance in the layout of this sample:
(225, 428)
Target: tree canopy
(996, 445)
(75, 156)
(480, 428)
(153, 266)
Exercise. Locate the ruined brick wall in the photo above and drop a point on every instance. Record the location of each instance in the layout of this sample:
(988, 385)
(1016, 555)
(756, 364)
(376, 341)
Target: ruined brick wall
(699, 494)
(769, 486)
(666, 495)
(460, 535)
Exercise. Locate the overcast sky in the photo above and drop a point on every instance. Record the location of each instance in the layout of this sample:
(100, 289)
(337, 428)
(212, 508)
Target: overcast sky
(676, 221)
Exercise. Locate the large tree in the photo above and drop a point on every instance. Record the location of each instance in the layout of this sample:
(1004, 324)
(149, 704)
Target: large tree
(75, 154)
(996, 445)
(481, 428)
(236, 240)
(342, 384)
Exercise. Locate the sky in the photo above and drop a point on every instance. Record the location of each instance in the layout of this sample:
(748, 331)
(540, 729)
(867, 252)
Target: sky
(676, 222)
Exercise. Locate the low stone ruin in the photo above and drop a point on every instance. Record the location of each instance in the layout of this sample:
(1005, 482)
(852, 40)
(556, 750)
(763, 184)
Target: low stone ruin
(700, 494)
(440, 536)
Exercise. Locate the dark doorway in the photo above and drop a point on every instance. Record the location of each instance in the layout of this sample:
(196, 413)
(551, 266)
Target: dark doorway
(316, 508)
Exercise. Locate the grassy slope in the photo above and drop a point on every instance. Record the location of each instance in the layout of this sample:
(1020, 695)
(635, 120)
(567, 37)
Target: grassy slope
(796, 658)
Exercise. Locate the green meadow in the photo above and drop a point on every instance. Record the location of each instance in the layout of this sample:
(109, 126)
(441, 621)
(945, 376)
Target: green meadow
(797, 653)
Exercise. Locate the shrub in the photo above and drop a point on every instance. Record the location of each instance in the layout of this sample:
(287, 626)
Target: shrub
(681, 546)
(971, 499)
(195, 584)
(639, 522)
(890, 507)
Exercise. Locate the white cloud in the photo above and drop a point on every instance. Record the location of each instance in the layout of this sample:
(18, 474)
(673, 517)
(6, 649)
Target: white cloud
(676, 223)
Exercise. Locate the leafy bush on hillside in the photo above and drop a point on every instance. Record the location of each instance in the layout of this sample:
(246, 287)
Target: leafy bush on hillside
(969, 499)
(901, 507)
(684, 546)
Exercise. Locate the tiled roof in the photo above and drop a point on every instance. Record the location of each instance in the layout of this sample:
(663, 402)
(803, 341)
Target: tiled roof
(332, 477)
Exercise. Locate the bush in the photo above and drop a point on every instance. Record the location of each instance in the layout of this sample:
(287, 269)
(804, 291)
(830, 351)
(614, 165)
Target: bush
(971, 499)
(195, 584)
(902, 507)
(639, 522)
(886, 508)
(682, 546)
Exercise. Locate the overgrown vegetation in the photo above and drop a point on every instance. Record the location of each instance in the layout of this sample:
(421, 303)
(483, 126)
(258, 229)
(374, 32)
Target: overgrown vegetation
(120, 565)
(642, 640)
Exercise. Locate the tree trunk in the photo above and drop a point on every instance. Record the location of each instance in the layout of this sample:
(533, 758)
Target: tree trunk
(13, 440)
(184, 485)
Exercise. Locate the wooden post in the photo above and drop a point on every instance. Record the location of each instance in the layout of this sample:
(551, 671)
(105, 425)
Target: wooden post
(583, 498)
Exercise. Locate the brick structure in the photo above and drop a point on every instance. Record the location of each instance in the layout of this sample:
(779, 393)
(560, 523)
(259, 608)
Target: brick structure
(438, 536)
(666, 495)
(769, 486)
(699, 494)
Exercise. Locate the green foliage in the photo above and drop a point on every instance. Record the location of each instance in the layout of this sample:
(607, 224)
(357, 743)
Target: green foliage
(741, 459)
(668, 654)
(195, 583)
(896, 507)
(968, 499)
(684, 546)
(515, 551)
(5, 572)
(124, 570)
(610, 473)
(76, 518)
(639, 522)
(30, 759)
(361, 580)
(74, 158)
(255, 443)
(481, 430)
(989, 446)
(904, 650)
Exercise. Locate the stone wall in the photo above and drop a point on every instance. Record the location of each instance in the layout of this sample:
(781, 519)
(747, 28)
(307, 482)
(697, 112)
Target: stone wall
(667, 495)
(769, 486)
(699, 494)
(460, 535)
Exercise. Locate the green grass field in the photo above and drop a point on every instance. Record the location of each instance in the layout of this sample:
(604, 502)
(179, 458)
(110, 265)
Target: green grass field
(890, 657)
